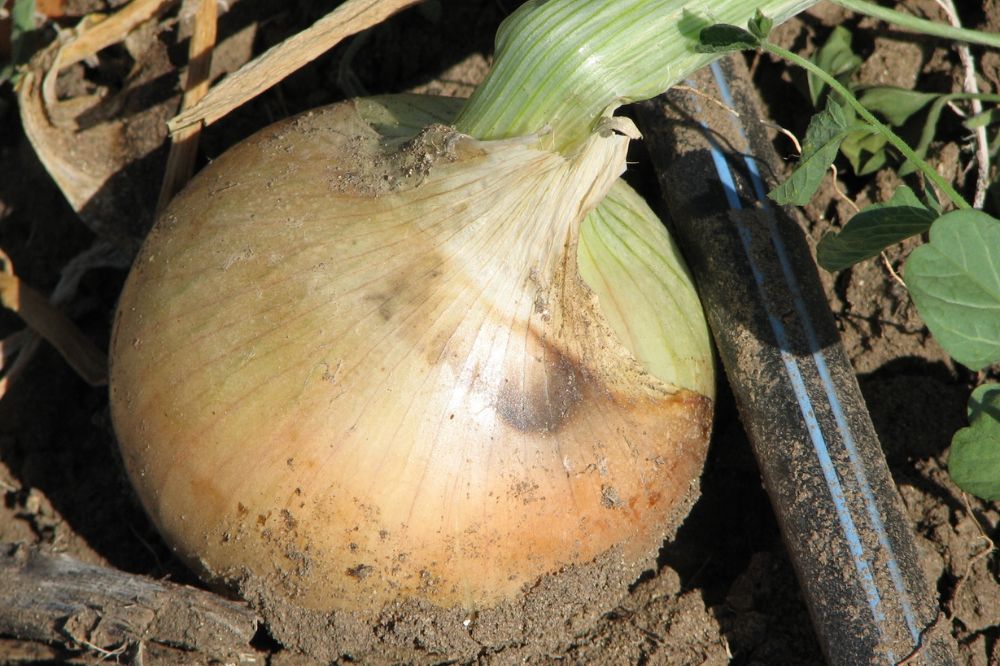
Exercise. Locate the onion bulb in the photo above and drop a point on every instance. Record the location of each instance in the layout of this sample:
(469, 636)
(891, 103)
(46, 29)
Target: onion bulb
(367, 361)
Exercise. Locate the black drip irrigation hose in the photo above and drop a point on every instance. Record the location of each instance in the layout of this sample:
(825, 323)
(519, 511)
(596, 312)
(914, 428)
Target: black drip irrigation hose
(840, 514)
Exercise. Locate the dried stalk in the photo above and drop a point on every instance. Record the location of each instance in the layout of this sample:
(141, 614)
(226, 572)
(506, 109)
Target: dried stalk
(972, 86)
(278, 62)
(94, 35)
(60, 600)
(184, 143)
(42, 317)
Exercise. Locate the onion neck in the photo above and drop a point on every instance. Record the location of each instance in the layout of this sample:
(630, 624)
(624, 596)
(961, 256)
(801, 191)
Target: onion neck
(563, 64)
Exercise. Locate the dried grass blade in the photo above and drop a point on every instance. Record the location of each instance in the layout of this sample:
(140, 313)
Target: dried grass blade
(42, 317)
(184, 143)
(93, 37)
(278, 62)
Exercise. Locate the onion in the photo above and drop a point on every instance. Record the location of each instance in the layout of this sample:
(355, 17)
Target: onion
(366, 361)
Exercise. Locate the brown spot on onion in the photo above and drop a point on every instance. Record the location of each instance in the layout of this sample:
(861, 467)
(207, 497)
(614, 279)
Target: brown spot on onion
(546, 396)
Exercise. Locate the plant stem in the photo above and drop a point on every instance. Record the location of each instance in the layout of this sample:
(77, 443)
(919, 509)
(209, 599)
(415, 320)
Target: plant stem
(563, 64)
(920, 25)
(867, 116)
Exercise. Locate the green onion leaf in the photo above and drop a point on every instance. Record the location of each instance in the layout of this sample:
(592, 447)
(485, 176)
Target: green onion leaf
(543, 82)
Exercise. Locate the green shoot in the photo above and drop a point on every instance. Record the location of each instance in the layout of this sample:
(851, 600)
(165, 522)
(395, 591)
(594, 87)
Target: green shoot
(920, 25)
(542, 82)
(929, 172)
(720, 38)
(835, 57)
(954, 278)
(826, 132)
(930, 125)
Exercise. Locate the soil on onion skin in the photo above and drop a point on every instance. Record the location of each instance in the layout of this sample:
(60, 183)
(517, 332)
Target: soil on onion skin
(724, 591)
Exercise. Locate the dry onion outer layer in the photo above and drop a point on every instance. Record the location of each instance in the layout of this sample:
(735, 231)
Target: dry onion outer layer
(358, 364)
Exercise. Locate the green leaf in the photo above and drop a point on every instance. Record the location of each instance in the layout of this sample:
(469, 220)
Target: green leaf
(22, 17)
(874, 229)
(932, 201)
(723, 37)
(983, 119)
(865, 150)
(904, 196)
(692, 23)
(760, 25)
(994, 146)
(926, 135)
(954, 280)
(837, 58)
(896, 105)
(823, 137)
(974, 460)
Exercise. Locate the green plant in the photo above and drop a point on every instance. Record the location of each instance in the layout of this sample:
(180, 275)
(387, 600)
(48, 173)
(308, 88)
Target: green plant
(865, 149)
(953, 278)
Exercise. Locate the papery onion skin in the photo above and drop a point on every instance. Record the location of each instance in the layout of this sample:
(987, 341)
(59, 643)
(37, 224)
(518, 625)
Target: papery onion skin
(362, 378)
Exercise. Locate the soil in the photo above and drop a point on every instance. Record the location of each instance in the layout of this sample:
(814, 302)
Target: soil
(723, 590)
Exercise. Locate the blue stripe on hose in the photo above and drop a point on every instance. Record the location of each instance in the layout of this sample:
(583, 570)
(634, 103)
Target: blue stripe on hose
(840, 417)
(728, 186)
(805, 404)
